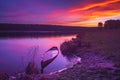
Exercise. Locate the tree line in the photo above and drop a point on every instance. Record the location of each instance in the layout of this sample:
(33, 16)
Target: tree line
(110, 24)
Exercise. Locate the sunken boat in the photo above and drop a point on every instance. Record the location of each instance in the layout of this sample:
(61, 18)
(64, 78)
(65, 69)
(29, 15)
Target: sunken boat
(45, 63)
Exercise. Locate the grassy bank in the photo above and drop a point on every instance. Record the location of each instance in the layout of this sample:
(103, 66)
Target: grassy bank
(105, 42)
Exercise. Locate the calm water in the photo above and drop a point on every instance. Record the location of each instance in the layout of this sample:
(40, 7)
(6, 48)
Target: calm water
(15, 53)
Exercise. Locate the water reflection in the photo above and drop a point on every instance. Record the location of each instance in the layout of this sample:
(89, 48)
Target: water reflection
(15, 53)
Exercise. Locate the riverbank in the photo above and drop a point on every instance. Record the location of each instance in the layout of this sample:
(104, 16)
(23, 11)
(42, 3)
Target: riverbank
(100, 52)
(104, 42)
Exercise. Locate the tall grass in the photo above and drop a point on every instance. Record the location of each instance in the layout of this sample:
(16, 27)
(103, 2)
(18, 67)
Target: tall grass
(32, 66)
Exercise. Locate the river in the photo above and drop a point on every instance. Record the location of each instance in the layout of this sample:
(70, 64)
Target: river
(15, 53)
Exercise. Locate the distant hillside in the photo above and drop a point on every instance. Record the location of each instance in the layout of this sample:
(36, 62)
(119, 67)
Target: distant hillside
(35, 27)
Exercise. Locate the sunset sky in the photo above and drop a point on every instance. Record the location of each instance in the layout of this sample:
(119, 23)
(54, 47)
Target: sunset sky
(59, 12)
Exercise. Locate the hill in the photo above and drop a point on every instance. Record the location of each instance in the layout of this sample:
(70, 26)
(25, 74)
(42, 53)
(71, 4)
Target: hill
(36, 27)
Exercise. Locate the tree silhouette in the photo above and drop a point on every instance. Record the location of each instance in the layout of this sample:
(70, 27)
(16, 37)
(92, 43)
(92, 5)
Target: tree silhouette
(100, 25)
(112, 24)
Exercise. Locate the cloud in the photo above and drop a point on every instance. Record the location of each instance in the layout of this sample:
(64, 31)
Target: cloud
(90, 14)
(89, 6)
(62, 12)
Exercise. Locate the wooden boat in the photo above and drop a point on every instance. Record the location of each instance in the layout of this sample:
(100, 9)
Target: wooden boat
(47, 62)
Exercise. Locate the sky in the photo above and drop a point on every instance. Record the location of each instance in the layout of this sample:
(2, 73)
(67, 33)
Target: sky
(59, 12)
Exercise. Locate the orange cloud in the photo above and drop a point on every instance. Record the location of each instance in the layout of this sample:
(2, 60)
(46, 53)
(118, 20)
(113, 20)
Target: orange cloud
(94, 5)
(93, 17)
(85, 16)
(93, 13)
